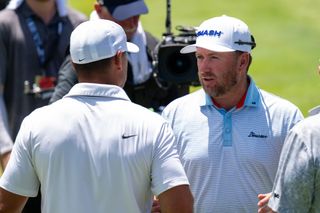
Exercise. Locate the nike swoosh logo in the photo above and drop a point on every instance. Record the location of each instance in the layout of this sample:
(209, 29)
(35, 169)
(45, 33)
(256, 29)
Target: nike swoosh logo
(127, 136)
(81, 59)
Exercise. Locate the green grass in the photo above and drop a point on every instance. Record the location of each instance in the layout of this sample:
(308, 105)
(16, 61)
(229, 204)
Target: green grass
(287, 34)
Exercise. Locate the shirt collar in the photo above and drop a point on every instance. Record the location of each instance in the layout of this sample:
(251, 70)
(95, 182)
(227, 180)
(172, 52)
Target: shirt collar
(251, 98)
(97, 90)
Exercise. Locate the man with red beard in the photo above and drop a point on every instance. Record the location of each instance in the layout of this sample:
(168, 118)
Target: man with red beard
(230, 132)
(88, 152)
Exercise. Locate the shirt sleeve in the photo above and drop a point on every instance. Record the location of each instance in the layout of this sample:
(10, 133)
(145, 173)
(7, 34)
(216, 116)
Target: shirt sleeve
(294, 183)
(167, 170)
(20, 176)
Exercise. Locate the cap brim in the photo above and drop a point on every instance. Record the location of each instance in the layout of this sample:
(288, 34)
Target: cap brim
(123, 12)
(213, 47)
(132, 48)
(189, 49)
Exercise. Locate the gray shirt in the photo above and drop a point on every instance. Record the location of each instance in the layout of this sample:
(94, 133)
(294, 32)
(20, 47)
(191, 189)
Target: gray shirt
(297, 183)
(19, 61)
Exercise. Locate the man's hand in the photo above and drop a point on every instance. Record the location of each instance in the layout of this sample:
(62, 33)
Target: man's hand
(155, 206)
(263, 203)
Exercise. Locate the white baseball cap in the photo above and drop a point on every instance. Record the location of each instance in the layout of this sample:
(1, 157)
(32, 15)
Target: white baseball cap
(222, 34)
(98, 39)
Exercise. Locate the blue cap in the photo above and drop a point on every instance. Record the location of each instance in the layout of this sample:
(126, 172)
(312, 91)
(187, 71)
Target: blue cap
(123, 9)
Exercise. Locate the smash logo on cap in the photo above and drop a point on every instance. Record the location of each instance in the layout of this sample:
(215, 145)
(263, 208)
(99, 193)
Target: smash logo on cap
(209, 33)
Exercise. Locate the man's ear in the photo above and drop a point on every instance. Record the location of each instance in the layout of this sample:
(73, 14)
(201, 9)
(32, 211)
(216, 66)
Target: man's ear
(103, 12)
(97, 8)
(120, 68)
(244, 61)
(118, 60)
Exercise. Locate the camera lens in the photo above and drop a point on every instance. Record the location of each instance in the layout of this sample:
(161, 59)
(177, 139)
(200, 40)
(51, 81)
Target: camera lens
(178, 63)
(176, 67)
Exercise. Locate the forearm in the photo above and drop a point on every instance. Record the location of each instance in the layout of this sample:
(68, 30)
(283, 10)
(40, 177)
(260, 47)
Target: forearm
(176, 199)
(4, 158)
(10, 202)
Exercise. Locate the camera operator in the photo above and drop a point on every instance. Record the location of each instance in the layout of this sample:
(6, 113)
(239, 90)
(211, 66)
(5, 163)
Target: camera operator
(3, 4)
(142, 87)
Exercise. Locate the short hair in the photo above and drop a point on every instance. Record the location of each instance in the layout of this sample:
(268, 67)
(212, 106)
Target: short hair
(95, 66)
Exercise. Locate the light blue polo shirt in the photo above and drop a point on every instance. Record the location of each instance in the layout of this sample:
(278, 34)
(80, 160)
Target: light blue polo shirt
(230, 156)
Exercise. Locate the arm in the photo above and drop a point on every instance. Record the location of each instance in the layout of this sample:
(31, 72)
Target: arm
(19, 180)
(4, 158)
(169, 181)
(177, 199)
(10, 202)
(67, 78)
(6, 142)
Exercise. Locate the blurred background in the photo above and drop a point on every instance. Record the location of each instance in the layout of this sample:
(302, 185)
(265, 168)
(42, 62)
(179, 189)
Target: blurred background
(287, 34)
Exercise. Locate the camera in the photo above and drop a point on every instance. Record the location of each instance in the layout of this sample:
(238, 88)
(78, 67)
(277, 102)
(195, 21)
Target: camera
(170, 64)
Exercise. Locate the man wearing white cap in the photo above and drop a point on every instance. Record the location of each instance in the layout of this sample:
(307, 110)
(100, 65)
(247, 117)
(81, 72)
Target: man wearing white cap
(141, 86)
(230, 132)
(88, 152)
(34, 38)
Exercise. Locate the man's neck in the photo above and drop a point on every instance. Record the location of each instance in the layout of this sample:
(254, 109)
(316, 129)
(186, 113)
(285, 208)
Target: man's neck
(44, 9)
(234, 97)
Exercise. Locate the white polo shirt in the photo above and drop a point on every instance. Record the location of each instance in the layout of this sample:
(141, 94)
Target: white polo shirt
(94, 151)
(230, 156)
(297, 183)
